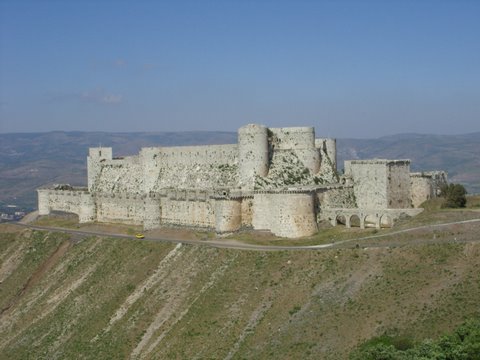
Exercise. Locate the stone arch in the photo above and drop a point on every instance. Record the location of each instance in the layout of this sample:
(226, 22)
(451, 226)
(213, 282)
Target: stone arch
(340, 219)
(370, 220)
(386, 221)
(355, 221)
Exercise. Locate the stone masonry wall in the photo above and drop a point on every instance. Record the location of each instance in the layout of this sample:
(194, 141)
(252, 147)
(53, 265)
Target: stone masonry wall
(398, 184)
(247, 212)
(227, 215)
(188, 213)
(253, 154)
(421, 189)
(153, 213)
(128, 209)
(96, 158)
(262, 211)
(369, 182)
(300, 140)
(293, 215)
(197, 167)
(285, 214)
(380, 183)
(276, 179)
(328, 146)
(426, 185)
(73, 201)
(337, 197)
(150, 164)
(121, 176)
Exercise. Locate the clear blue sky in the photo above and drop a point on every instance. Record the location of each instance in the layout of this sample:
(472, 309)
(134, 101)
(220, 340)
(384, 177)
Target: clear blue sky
(350, 68)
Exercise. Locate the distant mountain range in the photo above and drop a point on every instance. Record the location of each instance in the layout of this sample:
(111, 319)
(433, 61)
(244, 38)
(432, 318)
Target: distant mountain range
(30, 160)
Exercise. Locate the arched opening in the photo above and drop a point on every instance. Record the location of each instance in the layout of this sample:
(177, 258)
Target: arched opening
(354, 221)
(386, 221)
(341, 220)
(370, 221)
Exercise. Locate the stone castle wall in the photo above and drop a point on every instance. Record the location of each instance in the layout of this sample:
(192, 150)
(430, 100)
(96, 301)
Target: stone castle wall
(294, 215)
(75, 201)
(253, 154)
(369, 182)
(278, 179)
(379, 183)
(426, 185)
(299, 140)
(188, 213)
(123, 208)
(96, 158)
(398, 184)
(287, 214)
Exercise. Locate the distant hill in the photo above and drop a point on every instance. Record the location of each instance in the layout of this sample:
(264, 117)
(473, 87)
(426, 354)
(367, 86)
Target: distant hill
(29, 160)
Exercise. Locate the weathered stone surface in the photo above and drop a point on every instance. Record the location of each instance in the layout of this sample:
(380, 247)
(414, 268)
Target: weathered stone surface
(380, 183)
(277, 179)
(426, 185)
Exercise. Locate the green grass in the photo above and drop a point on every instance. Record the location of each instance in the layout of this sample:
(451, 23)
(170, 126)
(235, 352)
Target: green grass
(473, 201)
(70, 222)
(324, 236)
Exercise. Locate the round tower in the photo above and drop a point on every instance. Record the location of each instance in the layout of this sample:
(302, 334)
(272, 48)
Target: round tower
(252, 154)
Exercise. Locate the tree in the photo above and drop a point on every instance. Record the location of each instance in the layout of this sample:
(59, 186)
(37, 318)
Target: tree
(454, 195)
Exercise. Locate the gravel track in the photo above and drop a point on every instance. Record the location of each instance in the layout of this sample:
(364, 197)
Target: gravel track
(218, 243)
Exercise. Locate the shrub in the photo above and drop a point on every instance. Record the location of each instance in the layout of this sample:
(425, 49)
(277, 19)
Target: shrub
(454, 195)
(462, 344)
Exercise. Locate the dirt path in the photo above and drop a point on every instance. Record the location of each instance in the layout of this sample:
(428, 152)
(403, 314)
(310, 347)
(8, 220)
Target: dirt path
(234, 244)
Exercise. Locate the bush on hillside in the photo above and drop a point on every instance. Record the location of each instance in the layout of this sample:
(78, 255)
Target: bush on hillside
(463, 344)
(455, 196)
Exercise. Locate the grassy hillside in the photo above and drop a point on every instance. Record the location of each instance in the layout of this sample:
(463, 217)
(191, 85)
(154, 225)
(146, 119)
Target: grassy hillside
(106, 298)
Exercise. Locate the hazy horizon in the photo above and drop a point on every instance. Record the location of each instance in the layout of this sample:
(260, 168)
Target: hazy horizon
(351, 69)
(318, 135)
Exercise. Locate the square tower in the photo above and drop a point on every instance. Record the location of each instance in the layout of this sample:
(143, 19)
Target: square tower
(380, 183)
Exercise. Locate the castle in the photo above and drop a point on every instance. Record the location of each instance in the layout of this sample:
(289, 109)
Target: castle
(283, 180)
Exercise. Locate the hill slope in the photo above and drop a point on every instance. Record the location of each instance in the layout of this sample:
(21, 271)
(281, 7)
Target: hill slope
(111, 298)
(32, 160)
